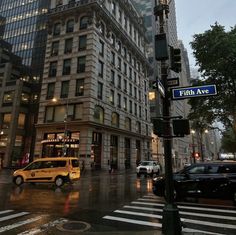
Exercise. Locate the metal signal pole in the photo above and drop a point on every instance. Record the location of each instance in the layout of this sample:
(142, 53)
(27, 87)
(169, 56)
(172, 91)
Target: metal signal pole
(171, 224)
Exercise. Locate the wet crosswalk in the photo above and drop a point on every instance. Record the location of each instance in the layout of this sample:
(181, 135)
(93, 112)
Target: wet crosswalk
(147, 211)
(26, 223)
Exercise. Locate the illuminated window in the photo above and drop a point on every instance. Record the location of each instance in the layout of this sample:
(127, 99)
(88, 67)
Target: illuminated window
(152, 96)
(21, 121)
(8, 97)
(7, 120)
(115, 119)
(25, 98)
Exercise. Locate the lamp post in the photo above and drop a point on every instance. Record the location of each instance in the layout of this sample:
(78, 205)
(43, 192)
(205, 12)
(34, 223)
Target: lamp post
(193, 146)
(64, 148)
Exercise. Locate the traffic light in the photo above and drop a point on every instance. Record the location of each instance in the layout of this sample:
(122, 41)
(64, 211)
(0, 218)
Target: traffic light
(158, 127)
(175, 59)
(181, 127)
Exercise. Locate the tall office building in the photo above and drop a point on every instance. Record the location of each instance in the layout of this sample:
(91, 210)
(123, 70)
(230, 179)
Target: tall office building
(178, 108)
(25, 30)
(94, 98)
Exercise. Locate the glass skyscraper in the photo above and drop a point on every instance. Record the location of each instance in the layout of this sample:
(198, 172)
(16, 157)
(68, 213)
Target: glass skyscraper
(25, 29)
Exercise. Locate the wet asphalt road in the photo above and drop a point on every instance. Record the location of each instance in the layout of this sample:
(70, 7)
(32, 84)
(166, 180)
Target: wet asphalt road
(45, 209)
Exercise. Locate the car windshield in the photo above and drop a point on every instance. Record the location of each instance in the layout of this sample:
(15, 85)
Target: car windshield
(145, 163)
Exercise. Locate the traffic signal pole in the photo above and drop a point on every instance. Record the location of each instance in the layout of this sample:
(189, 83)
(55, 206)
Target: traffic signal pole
(171, 224)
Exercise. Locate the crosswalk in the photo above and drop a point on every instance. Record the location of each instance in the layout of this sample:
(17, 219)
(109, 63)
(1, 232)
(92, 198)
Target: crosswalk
(147, 211)
(16, 223)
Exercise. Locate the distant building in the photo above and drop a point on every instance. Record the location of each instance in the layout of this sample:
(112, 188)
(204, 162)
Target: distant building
(17, 107)
(96, 70)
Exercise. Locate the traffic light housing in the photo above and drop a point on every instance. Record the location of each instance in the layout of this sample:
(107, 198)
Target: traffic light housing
(181, 127)
(175, 59)
(161, 48)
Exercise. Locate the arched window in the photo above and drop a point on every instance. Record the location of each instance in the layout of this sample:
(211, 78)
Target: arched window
(57, 29)
(128, 123)
(102, 28)
(98, 114)
(83, 22)
(115, 119)
(70, 26)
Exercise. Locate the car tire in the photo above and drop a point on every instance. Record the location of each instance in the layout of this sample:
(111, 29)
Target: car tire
(59, 181)
(18, 180)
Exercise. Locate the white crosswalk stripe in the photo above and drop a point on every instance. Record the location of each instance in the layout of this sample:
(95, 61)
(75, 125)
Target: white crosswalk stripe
(147, 211)
(7, 224)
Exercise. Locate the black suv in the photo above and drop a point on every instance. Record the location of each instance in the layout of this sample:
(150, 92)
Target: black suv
(206, 180)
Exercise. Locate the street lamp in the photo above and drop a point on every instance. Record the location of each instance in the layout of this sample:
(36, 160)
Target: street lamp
(64, 148)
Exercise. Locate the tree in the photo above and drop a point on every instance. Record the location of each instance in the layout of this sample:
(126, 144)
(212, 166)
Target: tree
(215, 53)
(228, 142)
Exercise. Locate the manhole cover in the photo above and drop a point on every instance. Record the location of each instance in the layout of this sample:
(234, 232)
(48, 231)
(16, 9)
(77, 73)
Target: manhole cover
(74, 226)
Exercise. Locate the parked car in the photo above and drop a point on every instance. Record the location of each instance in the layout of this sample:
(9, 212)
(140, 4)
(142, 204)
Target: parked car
(49, 170)
(148, 168)
(206, 180)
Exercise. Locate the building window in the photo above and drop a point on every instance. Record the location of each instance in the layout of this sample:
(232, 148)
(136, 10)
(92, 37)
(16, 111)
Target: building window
(135, 92)
(113, 39)
(119, 63)
(112, 96)
(130, 89)
(79, 111)
(25, 98)
(119, 100)
(130, 106)
(102, 28)
(135, 109)
(8, 97)
(140, 111)
(82, 42)
(125, 68)
(64, 89)
(68, 45)
(70, 26)
(119, 81)
(53, 69)
(113, 8)
(113, 58)
(49, 114)
(81, 64)
(125, 85)
(50, 91)
(100, 90)
(138, 127)
(98, 114)
(128, 123)
(55, 48)
(101, 48)
(125, 24)
(125, 103)
(21, 121)
(79, 87)
(120, 16)
(83, 22)
(57, 29)
(112, 77)
(100, 69)
(115, 119)
(130, 73)
(66, 67)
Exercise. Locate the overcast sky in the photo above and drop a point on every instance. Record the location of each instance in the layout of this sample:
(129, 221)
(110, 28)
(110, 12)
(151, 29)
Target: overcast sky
(196, 16)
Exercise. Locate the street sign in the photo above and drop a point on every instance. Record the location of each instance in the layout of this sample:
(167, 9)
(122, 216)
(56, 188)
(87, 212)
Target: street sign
(189, 92)
(158, 85)
(172, 82)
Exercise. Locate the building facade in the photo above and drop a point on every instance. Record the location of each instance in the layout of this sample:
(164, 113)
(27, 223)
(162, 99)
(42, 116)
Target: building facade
(17, 107)
(94, 99)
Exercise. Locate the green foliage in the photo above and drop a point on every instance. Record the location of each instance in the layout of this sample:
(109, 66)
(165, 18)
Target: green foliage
(215, 53)
(228, 142)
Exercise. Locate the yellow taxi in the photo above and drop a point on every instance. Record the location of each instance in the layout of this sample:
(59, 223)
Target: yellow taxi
(57, 170)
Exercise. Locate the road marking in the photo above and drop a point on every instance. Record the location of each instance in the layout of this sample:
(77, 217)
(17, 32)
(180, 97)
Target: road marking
(13, 216)
(43, 227)
(132, 221)
(140, 222)
(6, 211)
(186, 207)
(220, 225)
(15, 225)
(185, 213)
